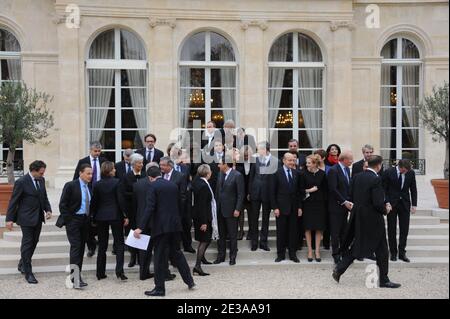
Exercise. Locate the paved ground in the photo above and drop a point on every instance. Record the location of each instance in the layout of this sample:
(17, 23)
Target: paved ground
(240, 283)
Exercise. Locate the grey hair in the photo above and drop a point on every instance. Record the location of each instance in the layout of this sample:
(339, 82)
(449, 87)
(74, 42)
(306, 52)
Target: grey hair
(136, 158)
(367, 147)
(95, 145)
(203, 170)
(128, 152)
(168, 160)
(229, 122)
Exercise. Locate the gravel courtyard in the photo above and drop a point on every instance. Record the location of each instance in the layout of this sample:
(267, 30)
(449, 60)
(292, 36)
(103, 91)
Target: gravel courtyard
(240, 283)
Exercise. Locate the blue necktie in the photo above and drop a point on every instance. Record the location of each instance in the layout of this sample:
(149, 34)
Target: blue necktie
(94, 172)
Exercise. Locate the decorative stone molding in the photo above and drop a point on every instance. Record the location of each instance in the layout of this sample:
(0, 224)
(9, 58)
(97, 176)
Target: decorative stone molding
(58, 19)
(262, 24)
(154, 22)
(335, 25)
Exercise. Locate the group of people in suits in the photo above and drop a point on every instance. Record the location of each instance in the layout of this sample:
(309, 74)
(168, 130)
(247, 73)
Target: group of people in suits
(319, 197)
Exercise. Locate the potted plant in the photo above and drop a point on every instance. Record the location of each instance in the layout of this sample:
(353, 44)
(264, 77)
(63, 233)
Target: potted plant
(24, 117)
(434, 116)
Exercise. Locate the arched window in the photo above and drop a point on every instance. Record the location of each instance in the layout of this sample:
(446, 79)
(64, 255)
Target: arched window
(296, 76)
(10, 71)
(117, 92)
(208, 80)
(401, 82)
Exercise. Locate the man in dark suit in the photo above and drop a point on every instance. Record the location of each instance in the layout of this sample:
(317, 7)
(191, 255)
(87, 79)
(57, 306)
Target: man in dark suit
(259, 189)
(228, 134)
(213, 162)
(339, 203)
(293, 146)
(28, 208)
(74, 207)
(124, 167)
(401, 193)
(162, 217)
(358, 167)
(209, 136)
(286, 204)
(366, 232)
(95, 161)
(150, 152)
(243, 139)
(230, 192)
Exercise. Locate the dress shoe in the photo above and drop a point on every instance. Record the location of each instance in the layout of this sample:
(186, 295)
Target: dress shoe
(389, 284)
(90, 253)
(20, 269)
(170, 277)
(318, 259)
(404, 258)
(132, 263)
(189, 250)
(199, 271)
(192, 286)
(310, 260)
(254, 247)
(240, 235)
(218, 261)
(206, 262)
(30, 278)
(232, 261)
(155, 293)
(336, 276)
(264, 247)
(145, 277)
(122, 276)
(82, 283)
(101, 276)
(294, 259)
(393, 258)
(279, 259)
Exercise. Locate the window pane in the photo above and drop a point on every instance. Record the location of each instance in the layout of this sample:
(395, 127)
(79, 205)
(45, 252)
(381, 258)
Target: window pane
(102, 118)
(224, 77)
(133, 78)
(309, 119)
(103, 46)
(410, 138)
(310, 78)
(100, 77)
(223, 98)
(411, 75)
(279, 77)
(388, 75)
(128, 119)
(388, 117)
(132, 139)
(107, 138)
(281, 119)
(310, 139)
(192, 98)
(134, 98)
(390, 50)
(389, 96)
(101, 97)
(110, 156)
(8, 42)
(308, 50)
(409, 50)
(310, 98)
(189, 116)
(219, 117)
(131, 47)
(410, 117)
(11, 70)
(192, 77)
(194, 48)
(280, 138)
(281, 50)
(221, 49)
(388, 154)
(411, 155)
(388, 138)
(280, 99)
(410, 96)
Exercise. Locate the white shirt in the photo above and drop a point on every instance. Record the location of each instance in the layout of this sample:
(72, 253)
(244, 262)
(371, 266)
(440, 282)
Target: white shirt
(247, 167)
(98, 166)
(403, 176)
(227, 173)
(210, 137)
(168, 175)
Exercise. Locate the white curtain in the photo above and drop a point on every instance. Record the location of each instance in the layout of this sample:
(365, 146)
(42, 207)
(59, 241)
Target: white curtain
(14, 65)
(131, 46)
(385, 119)
(14, 69)
(308, 50)
(99, 100)
(409, 96)
(228, 80)
(103, 46)
(185, 81)
(312, 119)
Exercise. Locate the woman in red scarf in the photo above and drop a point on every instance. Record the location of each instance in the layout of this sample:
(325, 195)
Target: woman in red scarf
(333, 152)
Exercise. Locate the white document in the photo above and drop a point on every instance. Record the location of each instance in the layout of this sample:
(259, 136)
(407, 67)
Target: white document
(139, 243)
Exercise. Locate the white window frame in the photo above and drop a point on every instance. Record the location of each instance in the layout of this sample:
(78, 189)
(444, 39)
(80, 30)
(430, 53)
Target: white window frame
(118, 65)
(399, 62)
(296, 65)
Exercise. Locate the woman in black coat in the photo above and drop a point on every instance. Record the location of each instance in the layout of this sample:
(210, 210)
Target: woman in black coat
(204, 208)
(107, 209)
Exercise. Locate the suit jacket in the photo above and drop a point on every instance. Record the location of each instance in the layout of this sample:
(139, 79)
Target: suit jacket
(247, 140)
(121, 169)
(259, 181)
(140, 189)
(366, 227)
(358, 167)
(156, 156)
(126, 187)
(202, 211)
(396, 195)
(107, 203)
(301, 161)
(240, 167)
(70, 201)
(27, 204)
(339, 190)
(282, 197)
(230, 195)
(161, 214)
(180, 180)
(86, 160)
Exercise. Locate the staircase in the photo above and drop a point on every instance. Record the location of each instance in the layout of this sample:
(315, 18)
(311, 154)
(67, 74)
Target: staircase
(428, 246)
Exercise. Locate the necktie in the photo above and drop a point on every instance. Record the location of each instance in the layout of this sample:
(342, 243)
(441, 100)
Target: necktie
(128, 167)
(291, 181)
(347, 172)
(400, 180)
(167, 177)
(150, 156)
(86, 201)
(94, 172)
(37, 184)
